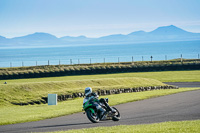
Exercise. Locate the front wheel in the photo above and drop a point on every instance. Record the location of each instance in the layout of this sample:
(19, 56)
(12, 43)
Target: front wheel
(117, 116)
(93, 117)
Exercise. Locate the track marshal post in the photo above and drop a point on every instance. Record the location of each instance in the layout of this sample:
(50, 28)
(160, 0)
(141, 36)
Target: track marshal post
(52, 99)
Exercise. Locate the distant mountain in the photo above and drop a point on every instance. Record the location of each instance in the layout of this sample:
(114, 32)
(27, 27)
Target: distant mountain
(169, 30)
(172, 33)
(4, 41)
(137, 33)
(74, 39)
(161, 34)
(113, 38)
(36, 37)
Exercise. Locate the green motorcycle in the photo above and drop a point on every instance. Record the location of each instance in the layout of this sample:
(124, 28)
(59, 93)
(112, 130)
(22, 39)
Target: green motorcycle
(95, 116)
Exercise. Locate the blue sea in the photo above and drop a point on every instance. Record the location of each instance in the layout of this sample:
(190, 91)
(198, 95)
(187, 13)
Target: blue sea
(16, 57)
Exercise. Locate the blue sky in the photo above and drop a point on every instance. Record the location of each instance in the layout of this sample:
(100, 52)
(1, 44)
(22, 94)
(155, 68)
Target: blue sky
(95, 18)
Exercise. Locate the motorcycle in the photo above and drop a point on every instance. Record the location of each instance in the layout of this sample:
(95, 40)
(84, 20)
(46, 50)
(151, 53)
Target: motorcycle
(94, 115)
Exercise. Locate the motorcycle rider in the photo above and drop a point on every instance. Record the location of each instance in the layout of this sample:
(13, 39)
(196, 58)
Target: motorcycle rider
(89, 95)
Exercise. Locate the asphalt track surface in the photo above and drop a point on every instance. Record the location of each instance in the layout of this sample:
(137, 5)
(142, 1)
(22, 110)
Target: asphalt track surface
(184, 84)
(175, 107)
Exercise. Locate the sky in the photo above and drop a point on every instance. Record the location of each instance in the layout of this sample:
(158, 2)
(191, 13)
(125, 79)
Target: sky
(95, 18)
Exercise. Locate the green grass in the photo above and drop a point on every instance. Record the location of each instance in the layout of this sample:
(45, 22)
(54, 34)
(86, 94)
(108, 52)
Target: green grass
(164, 76)
(27, 90)
(24, 92)
(18, 114)
(164, 127)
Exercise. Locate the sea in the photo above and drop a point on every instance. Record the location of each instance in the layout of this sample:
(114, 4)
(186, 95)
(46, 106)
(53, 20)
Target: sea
(17, 57)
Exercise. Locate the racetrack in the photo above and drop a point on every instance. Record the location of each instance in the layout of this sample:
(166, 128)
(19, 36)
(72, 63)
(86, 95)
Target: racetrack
(184, 84)
(175, 107)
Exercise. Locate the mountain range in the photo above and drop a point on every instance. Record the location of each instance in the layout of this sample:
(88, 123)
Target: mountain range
(161, 34)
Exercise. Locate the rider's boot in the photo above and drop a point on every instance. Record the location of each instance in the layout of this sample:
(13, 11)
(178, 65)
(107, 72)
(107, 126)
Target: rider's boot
(107, 105)
(111, 109)
(102, 113)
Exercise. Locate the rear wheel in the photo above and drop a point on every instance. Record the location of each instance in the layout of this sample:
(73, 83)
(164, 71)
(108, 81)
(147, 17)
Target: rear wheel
(117, 116)
(93, 117)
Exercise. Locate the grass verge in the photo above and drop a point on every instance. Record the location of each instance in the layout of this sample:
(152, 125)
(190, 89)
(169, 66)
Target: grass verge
(19, 114)
(29, 92)
(164, 76)
(164, 127)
